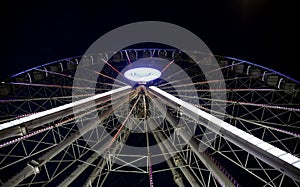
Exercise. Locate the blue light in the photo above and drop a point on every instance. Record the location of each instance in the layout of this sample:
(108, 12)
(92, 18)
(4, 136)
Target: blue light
(142, 74)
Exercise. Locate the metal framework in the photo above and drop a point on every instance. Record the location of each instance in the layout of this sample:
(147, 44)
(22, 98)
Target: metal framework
(56, 133)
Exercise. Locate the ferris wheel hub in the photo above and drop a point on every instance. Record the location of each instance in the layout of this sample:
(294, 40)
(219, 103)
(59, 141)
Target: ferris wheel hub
(142, 74)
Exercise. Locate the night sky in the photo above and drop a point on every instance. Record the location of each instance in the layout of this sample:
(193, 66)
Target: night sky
(34, 33)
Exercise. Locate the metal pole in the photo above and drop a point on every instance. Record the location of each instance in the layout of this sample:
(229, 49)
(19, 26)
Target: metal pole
(277, 158)
(96, 172)
(24, 124)
(31, 169)
(101, 164)
(178, 162)
(209, 164)
(90, 160)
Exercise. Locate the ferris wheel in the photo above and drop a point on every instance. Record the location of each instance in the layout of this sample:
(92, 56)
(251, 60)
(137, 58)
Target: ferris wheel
(150, 117)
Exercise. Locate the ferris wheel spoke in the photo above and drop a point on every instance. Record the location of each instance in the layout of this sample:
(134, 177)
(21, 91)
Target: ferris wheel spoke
(52, 153)
(117, 149)
(106, 76)
(258, 123)
(256, 167)
(276, 106)
(91, 159)
(176, 84)
(205, 60)
(185, 69)
(210, 118)
(25, 99)
(117, 71)
(7, 129)
(251, 121)
(222, 179)
(49, 85)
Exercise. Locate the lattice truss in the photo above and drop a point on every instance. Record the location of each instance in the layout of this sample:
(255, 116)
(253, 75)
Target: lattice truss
(87, 146)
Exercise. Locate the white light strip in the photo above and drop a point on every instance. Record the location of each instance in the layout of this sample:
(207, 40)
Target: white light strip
(60, 108)
(260, 144)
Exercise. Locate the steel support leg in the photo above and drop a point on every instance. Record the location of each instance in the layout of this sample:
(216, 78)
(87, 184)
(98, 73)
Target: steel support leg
(25, 124)
(209, 164)
(277, 158)
(100, 166)
(166, 147)
(90, 160)
(29, 170)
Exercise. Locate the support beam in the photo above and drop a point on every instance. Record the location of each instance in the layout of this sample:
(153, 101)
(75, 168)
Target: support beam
(95, 173)
(209, 164)
(92, 159)
(29, 170)
(16, 127)
(167, 147)
(101, 164)
(68, 180)
(277, 158)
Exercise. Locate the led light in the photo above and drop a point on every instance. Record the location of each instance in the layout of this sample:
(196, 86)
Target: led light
(142, 74)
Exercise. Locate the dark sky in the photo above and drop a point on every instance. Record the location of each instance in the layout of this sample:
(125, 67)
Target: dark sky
(33, 33)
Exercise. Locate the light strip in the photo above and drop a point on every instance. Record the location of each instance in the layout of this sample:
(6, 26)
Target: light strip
(60, 108)
(239, 136)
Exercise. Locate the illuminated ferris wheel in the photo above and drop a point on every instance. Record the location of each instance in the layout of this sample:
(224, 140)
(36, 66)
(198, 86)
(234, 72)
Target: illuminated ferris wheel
(149, 117)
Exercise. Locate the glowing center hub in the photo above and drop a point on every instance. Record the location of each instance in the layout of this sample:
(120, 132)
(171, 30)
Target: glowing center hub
(142, 74)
